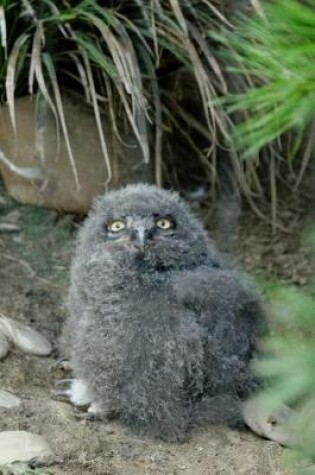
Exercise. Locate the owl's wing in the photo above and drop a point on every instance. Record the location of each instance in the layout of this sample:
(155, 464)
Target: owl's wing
(215, 294)
(227, 305)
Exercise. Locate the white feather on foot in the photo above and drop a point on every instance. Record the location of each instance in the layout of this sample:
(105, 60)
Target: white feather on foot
(80, 393)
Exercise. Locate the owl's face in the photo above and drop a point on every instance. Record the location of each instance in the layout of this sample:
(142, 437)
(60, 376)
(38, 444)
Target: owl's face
(138, 233)
(146, 224)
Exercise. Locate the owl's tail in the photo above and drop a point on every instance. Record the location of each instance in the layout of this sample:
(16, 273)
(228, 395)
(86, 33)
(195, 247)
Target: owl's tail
(222, 408)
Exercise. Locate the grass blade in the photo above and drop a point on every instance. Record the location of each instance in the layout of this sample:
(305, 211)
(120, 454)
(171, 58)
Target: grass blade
(11, 75)
(53, 79)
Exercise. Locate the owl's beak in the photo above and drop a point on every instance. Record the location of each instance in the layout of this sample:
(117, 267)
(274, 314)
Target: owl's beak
(139, 238)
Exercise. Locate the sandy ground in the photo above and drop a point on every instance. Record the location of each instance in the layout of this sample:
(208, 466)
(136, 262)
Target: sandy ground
(34, 265)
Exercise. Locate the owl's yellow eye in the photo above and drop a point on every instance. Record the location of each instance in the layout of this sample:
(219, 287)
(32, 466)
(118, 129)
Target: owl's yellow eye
(164, 223)
(116, 225)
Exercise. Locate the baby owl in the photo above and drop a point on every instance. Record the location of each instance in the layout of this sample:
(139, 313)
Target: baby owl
(161, 330)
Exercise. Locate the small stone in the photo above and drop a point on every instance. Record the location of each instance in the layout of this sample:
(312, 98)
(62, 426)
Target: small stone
(8, 400)
(4, 346)
(24, 337)
(13, 217)
(17, 238)
(21, 446)
(9, 227)
(271, 424)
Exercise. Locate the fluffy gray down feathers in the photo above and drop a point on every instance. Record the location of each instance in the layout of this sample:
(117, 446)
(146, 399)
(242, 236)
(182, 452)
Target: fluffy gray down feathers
(164, 338)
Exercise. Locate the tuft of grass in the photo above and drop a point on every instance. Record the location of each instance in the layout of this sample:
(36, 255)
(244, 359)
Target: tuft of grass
(117, 56)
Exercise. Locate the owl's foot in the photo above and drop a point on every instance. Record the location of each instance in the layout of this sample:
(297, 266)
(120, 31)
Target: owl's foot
(62, 391)
(77, 391)
(80, 393)
(95, 411)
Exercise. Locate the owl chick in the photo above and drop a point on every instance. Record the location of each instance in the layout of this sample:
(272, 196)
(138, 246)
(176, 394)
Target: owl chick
(161, 330)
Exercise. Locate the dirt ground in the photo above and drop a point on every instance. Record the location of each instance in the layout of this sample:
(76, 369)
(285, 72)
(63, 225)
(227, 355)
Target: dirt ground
(34, 262)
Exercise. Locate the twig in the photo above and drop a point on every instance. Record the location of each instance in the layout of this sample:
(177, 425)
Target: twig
(29, 269)
(19, 261)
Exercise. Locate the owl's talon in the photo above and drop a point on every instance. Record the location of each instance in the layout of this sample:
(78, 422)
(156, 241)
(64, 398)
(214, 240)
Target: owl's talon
(66, 383)
(62, 391)
(61, 395)
(82, 414)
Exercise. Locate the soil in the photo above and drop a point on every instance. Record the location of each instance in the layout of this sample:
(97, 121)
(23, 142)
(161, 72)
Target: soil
(34, 263)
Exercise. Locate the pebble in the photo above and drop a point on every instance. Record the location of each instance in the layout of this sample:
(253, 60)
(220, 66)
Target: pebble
(9, 227)
(24, 337)
(22, 446)
(4, 346)
(12, 217)
(272, 424)
(8, 400)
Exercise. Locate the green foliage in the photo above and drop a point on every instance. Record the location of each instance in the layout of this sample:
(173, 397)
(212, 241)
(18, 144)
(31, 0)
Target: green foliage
(44, 244)
(289, 368)
(20, 469)
(277, 50)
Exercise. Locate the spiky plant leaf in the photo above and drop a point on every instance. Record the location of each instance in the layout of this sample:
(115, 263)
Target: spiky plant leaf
(288, 367)
(277, 50)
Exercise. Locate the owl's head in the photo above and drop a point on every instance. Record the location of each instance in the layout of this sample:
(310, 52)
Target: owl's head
(144, 223)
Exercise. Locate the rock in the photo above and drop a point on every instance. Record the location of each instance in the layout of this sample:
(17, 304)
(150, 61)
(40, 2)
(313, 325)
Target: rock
(24, 337)
(271, 424)
(4, 346)
(21, 446)
(8, 400)
(36, 172)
